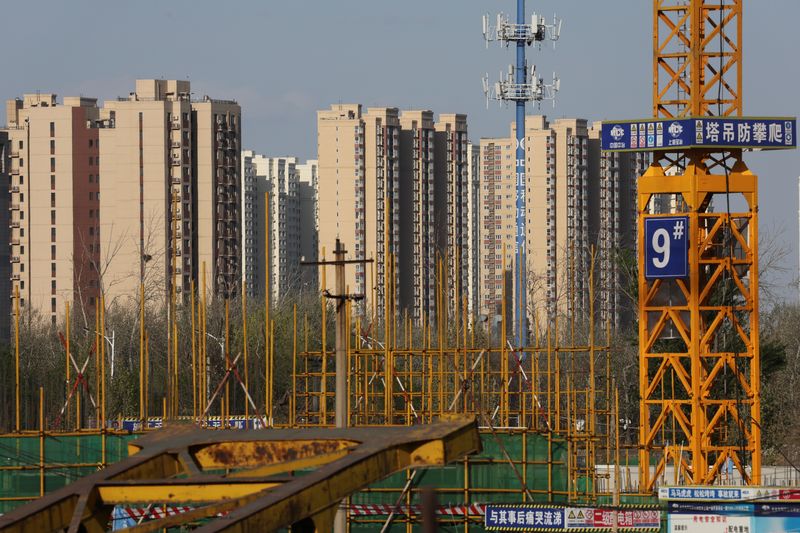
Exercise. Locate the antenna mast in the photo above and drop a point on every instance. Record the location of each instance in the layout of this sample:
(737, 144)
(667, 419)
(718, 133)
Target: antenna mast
(520, 86)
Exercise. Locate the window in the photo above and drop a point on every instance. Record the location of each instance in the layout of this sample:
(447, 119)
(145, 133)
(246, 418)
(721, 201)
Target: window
(52, 129)
(53, 269)
(91, 142)
(21, 162)
(21, 197)
(91, 231)
(91, 213)
(91, 178)
(52, 199)
(21, 145)
(53, 217)
(52, 147)
(22, 180)
(52, 164)
(91, 196)
(91, 160)
(52, 182)
(53, 305)
(53, 287)
(53, 252)
(52, 234)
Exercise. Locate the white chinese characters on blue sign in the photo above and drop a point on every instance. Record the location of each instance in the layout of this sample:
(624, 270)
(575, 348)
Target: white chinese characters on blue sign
(722, 132)
(666, 247)
(523, 517)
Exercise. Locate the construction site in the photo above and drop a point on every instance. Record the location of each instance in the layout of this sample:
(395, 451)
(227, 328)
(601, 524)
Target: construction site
(366, 421)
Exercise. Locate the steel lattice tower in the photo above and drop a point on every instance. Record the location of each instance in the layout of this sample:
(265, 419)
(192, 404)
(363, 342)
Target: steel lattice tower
(698, 336)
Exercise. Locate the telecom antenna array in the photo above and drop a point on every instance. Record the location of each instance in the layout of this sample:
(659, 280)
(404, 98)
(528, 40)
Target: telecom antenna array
(520, 86)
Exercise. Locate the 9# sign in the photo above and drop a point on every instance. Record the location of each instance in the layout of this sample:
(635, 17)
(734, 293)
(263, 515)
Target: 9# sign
(666, 248)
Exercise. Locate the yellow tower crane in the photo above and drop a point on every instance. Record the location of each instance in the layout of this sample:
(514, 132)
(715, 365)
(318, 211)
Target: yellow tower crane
(699, 372)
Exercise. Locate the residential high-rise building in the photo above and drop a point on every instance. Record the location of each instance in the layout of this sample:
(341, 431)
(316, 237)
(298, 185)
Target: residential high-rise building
(171, 185)
(614, 226)
(54, 202)
(288, 187)
(577, 199)
(309, 222)
(249, 221)
(6, 293)
(450, 216)
(417, 181)
(473, 227)
(342, 189)
(217, 137)
(393, 188)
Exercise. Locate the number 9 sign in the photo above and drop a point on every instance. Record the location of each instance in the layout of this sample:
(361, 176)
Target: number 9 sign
(666, 247)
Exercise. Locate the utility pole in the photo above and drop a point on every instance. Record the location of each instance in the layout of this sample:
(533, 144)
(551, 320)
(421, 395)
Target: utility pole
(341, 297)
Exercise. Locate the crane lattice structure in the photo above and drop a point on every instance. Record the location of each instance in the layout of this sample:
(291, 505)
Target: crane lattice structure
(699, 361)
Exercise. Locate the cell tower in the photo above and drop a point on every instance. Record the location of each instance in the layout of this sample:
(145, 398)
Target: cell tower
(520, 86)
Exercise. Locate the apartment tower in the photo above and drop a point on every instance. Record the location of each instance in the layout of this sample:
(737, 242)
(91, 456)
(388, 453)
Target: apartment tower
(54, 202)
(451, 209)
(393, 188)
(171, 188)
(578, 199)
(417, 181)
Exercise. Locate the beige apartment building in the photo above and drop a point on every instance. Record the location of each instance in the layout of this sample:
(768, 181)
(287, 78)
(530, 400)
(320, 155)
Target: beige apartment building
(577, 198)
(171, 186)
(54, 204)
(473, 227)
(393, 186)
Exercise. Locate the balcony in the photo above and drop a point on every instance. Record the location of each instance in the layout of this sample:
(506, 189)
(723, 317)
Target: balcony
(14, 188)
(175, 125)
(15, 277)
(14, 224)
(14, 206)
(13, 153)
(175, 161)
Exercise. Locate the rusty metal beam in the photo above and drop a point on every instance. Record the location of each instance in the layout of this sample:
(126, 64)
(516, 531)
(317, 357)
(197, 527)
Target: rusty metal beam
(347, 460)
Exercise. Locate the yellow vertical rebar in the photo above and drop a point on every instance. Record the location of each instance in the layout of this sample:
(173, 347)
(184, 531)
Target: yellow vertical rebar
(194, 353)
(267, 290)
(293, 400)
(66, 354)
(271, 373)
(97, 341)
(103, 380)
(102, 362)
(16, 360)
(142, 369)
(224, 414)
(203, 345)
(146, 378)
(244, 355)
(41, 442)
(323, 407)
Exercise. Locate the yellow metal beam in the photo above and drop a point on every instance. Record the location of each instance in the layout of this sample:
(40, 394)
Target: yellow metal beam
(348, 460)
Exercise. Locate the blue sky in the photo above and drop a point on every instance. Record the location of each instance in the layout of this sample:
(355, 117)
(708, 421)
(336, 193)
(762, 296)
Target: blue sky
(283, 60)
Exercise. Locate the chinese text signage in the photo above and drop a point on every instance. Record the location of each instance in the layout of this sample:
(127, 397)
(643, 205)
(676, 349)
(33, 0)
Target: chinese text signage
(703, 132)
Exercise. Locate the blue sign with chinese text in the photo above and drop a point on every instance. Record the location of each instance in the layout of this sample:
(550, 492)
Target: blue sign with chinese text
(666, 247)
(521, 517)
(701, 132)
